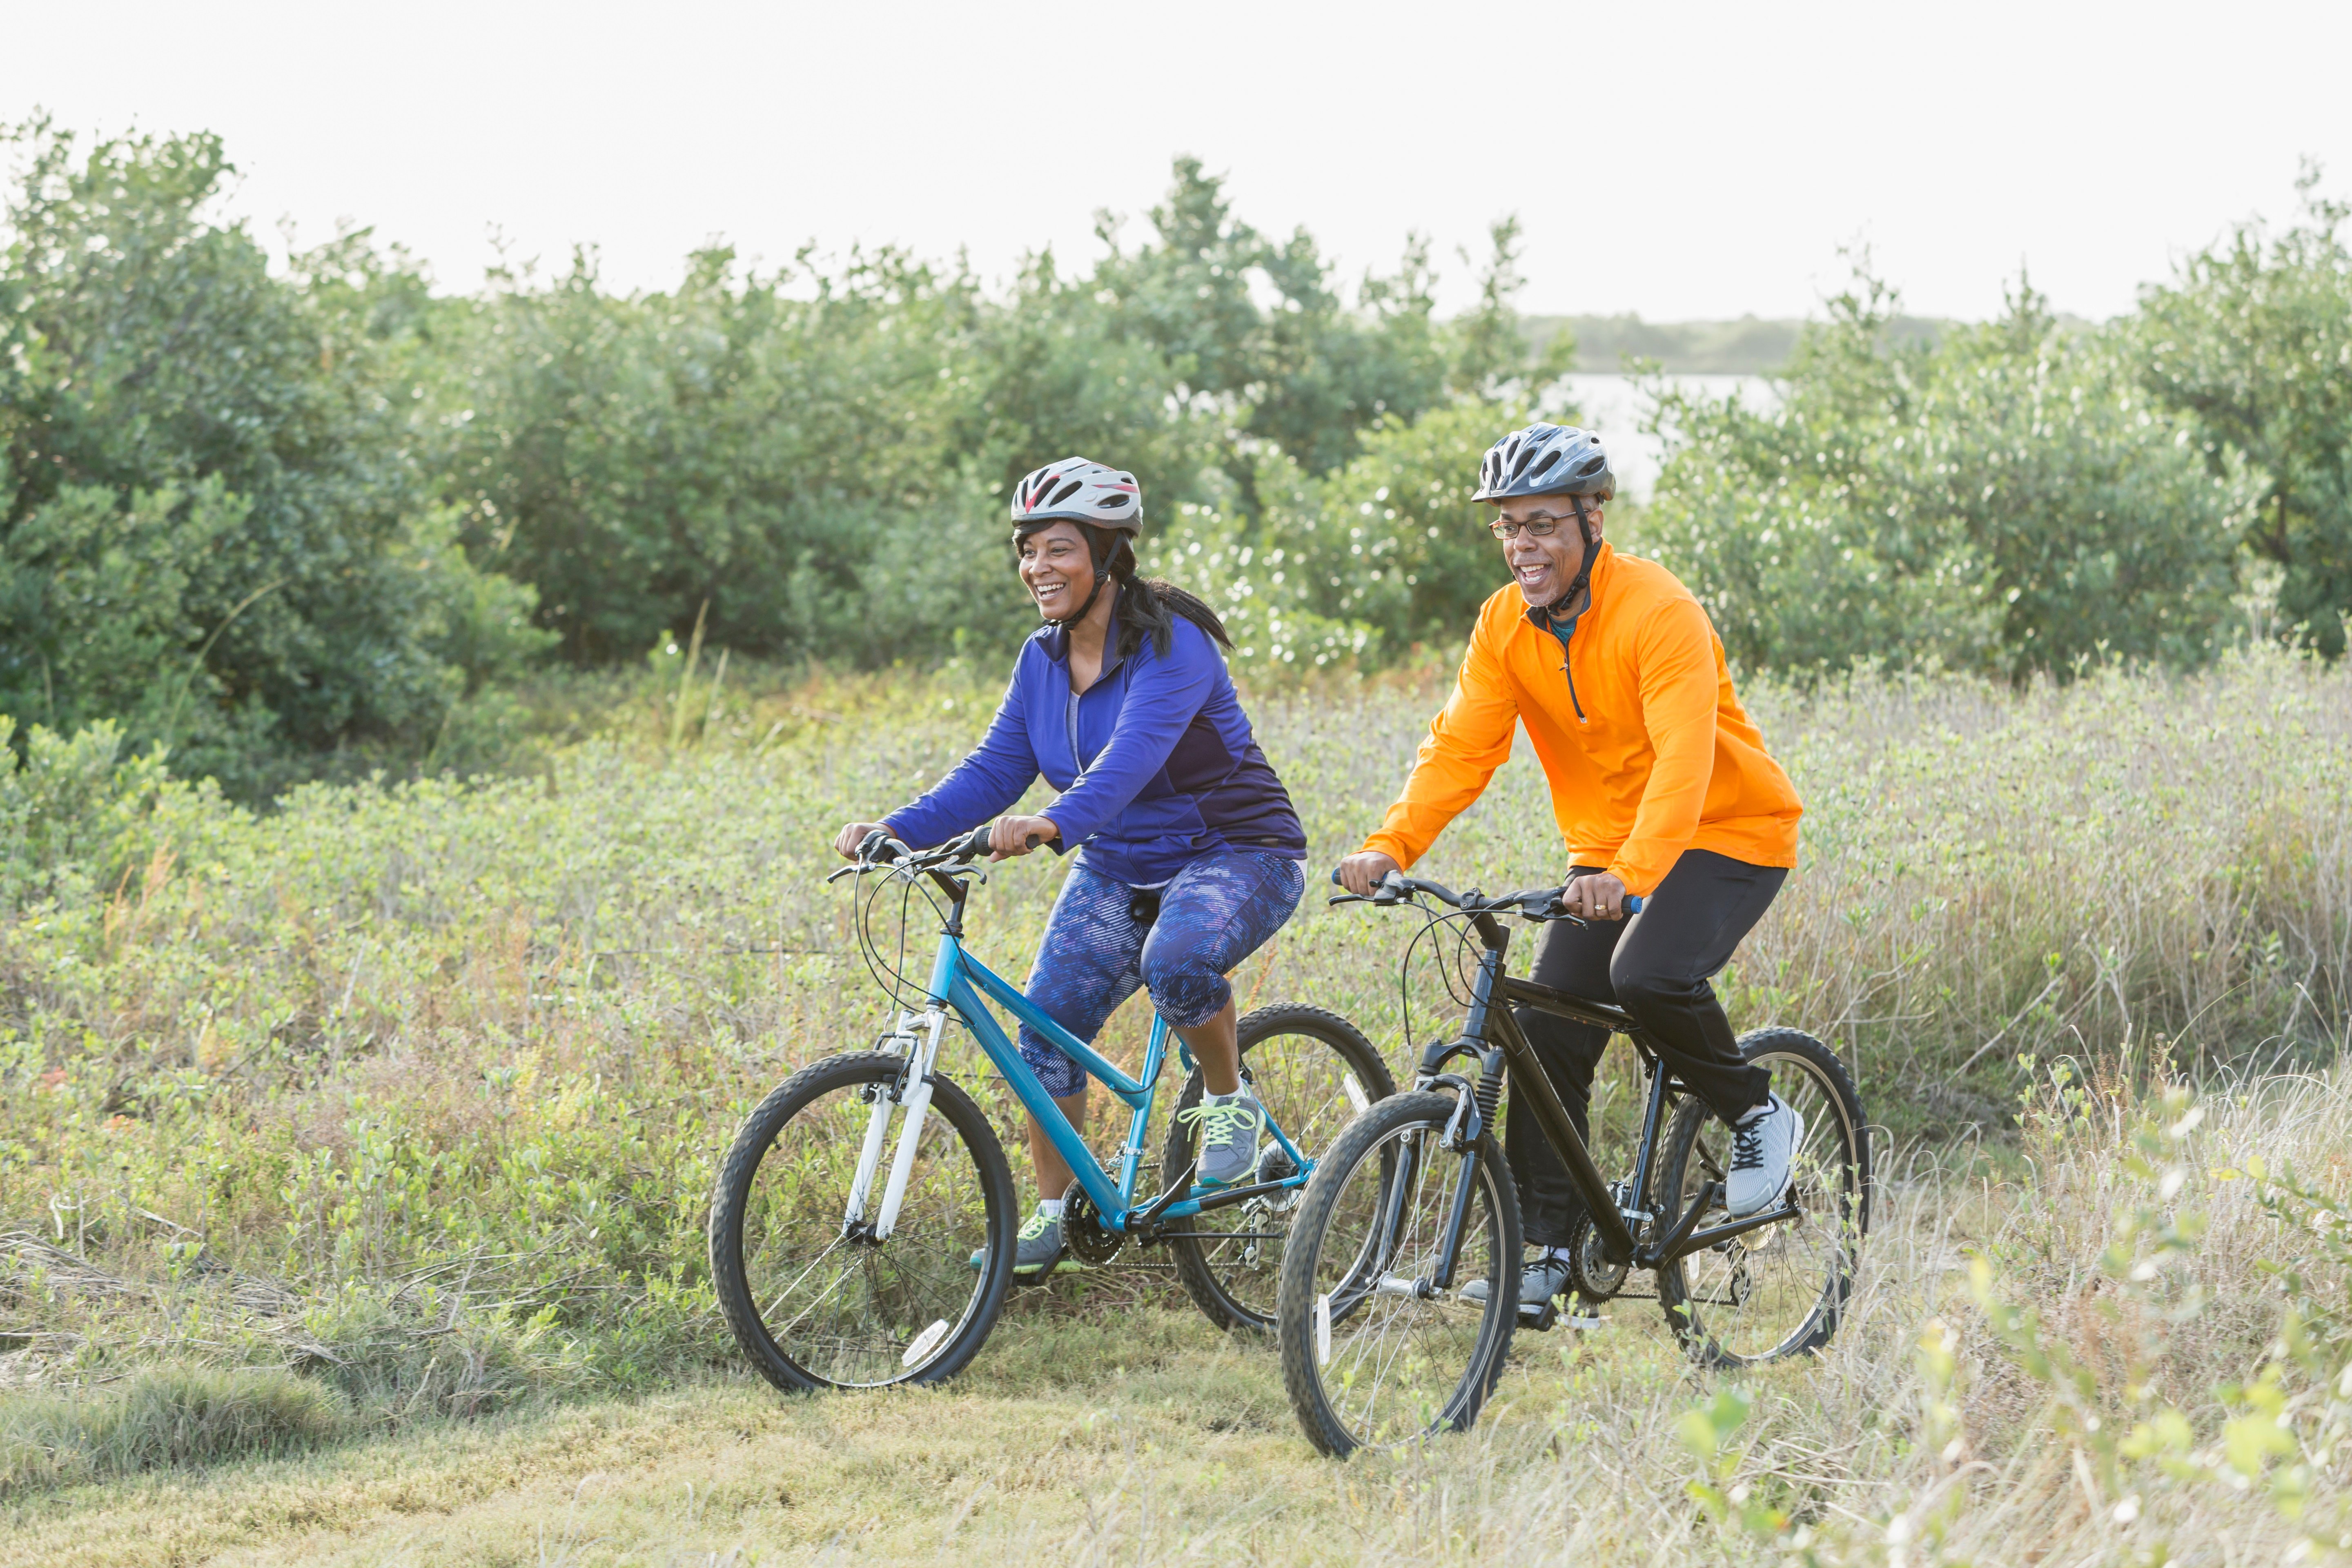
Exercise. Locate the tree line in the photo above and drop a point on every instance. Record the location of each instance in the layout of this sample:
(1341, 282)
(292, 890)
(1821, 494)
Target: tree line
(309, 520)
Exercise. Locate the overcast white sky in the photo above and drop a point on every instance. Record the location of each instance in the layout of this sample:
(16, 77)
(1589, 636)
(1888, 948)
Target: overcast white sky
(1681, 161)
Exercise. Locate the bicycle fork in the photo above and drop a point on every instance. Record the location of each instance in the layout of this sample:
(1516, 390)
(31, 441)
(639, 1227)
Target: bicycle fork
(917, 1035)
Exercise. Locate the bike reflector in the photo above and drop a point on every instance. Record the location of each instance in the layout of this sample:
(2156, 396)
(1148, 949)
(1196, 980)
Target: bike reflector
(924, 1343)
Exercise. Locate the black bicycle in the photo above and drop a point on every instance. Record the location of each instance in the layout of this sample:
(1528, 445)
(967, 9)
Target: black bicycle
(1383, 1341)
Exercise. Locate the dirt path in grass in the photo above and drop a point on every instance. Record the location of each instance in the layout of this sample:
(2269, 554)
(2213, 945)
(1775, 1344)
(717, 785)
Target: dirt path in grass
(1072, 1439)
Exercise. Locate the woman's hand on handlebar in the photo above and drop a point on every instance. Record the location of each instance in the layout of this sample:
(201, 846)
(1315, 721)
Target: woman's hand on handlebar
(1361, 872)
(1016, 836)
(1595, 897)
(845, 842)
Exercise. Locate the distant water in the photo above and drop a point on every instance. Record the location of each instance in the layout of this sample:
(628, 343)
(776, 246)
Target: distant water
(1614, 406)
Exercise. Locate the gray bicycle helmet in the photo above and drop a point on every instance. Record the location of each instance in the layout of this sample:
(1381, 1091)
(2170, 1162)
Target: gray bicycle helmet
(1080, 491)
(1546, 460)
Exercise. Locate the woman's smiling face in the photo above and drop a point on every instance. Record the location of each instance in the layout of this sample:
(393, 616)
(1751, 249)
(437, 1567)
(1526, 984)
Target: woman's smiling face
(1057, 569)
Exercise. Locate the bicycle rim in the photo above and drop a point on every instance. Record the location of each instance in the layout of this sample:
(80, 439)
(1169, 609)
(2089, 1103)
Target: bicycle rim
(1313, 1072)
(1776, 1292)
(835, 1308)
(1388, 1364)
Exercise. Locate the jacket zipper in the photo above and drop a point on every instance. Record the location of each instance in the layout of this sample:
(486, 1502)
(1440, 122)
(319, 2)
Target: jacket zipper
(1567, 663)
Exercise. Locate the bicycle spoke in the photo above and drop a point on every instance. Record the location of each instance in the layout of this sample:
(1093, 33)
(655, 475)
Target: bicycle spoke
(1231, 1260)
(839, 1305)
(1399, 1362)
(1770, 1291)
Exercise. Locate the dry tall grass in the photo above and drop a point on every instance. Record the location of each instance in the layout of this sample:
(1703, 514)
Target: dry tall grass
(1930, 1431)
(418, 1089)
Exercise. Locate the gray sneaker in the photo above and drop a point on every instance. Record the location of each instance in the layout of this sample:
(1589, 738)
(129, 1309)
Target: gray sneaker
(1762, 1147)
(1539, 1282)
(1040, 1249)
(1227, 1126)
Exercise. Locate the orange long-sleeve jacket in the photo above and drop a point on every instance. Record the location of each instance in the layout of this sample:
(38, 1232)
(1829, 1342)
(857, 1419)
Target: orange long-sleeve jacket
(1646, 746)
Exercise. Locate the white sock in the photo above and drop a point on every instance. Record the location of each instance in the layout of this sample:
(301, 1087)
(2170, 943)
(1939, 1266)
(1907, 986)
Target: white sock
(1050, 1207)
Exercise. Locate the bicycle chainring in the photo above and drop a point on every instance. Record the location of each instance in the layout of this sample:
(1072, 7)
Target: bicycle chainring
(1590, 1275)
(1083, 1234)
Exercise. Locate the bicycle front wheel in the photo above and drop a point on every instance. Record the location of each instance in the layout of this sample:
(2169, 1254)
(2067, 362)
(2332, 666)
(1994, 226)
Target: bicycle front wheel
(1777, 1291)
(1312, 1071)
(814, 1298)
(1374, 1352)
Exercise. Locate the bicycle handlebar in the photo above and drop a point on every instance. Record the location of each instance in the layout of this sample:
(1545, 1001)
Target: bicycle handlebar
(879, 849)
(1530, 903)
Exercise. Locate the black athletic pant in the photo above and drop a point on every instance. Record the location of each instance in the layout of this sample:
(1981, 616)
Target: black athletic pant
(1655, 966)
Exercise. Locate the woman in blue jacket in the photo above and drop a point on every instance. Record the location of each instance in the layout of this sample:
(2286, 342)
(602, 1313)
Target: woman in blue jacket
(1123, 701)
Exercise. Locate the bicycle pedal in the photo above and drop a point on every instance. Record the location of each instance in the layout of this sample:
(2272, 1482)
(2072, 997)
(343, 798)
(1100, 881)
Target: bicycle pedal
(1544, 1318)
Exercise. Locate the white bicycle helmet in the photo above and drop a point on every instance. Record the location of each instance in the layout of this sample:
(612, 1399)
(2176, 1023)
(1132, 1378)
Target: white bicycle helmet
(1080, 491)
(1546, 460)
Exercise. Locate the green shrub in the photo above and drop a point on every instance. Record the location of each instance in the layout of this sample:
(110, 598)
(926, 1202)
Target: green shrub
(172, 1417)
(2003, 501)
(214, 525)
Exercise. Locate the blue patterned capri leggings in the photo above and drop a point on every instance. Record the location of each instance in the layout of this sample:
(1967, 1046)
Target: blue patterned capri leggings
(1214, 913)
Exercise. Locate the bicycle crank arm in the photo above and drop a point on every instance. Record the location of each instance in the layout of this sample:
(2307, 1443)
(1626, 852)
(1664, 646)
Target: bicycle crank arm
(1702, 1240)
(1213, 1198)
(1664, 1252)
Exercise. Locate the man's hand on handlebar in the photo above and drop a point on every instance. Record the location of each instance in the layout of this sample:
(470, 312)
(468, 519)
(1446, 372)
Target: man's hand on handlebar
(1016, 836)
(1595, 897)
(1361, 872)
(845, 842)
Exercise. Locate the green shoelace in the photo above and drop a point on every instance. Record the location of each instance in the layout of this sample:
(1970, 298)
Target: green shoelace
(1221, 1123)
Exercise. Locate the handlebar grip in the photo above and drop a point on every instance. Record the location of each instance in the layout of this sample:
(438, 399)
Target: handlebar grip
(1034, 840)
(1633, 903)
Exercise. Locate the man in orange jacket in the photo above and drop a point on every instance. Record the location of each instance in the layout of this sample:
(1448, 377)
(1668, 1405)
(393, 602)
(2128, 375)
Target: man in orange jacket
(1662, 788)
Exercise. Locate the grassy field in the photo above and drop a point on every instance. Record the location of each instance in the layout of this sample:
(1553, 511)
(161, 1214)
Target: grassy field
(354, 1159)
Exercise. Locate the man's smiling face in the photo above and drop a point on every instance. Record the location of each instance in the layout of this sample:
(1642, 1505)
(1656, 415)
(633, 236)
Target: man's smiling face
(1544, 567)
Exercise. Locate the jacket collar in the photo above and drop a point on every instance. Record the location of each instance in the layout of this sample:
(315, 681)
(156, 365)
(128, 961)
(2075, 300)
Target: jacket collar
(1604, 565)
(1056, 639)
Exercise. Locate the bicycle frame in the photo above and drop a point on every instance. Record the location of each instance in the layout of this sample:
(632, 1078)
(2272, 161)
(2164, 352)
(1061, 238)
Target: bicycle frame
(1629, 1231)
(965, 984)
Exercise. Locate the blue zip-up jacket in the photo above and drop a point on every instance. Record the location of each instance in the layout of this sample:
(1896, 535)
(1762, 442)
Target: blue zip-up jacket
(1155, 762)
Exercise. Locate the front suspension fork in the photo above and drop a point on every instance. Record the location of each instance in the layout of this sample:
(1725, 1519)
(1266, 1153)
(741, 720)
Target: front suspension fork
(913, 1093)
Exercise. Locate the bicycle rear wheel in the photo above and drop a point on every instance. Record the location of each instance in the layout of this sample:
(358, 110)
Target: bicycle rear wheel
(1777, 1291)
(1372, 1354)
(1313, 1071)
(814, 1300)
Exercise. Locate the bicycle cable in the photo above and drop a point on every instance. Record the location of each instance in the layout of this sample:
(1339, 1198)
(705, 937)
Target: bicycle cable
(892, 979)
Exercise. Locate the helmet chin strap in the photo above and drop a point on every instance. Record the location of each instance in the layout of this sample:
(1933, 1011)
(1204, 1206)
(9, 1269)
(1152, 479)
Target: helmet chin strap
(1102, 575)
(1565, 602)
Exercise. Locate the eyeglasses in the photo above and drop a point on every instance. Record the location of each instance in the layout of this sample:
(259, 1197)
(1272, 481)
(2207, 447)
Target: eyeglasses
(1541, 524)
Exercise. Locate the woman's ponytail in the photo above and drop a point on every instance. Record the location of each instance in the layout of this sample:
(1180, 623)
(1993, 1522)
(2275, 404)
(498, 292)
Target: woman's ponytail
(1149, 607)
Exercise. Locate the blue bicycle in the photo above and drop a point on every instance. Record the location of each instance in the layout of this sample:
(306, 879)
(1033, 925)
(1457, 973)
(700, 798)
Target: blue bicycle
(859, 1197)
